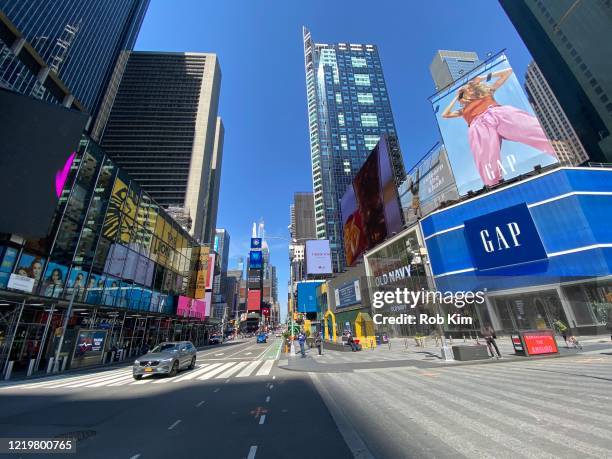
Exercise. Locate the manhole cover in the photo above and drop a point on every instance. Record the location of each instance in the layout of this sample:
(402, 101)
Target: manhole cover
(78, 435)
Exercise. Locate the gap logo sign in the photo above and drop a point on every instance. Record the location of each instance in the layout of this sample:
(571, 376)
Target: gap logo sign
(502, 238)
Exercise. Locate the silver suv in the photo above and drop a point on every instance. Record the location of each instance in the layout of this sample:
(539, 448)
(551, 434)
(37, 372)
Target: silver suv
(166, 358)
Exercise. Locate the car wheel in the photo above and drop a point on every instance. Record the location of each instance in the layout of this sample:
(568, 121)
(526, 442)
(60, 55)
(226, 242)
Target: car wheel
(137, 377)
(175, 368)
(192, 364)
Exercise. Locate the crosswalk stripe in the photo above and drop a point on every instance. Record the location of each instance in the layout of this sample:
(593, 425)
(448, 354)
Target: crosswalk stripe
(93, 381)
(58, 380)
(232, 370)
(194, 373)
(216, 371)
(265, 368)
(83, 379)
(119, 381)
(248, 370)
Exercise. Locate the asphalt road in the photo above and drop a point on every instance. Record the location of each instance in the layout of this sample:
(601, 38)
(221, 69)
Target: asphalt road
(235, 404)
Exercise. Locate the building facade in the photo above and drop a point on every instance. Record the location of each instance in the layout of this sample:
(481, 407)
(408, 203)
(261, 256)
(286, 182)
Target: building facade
(164, 131)
(557, 126)
(221, 245)
(80, 41)
(348, 111)
(560, 37)
(447, 66)
(303, 217)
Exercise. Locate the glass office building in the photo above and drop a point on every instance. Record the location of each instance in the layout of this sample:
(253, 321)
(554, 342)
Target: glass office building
(79, 40)
(348, 110)
(114, 253)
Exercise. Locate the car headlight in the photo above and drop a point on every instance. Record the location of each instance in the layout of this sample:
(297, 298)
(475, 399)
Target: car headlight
(169, 359)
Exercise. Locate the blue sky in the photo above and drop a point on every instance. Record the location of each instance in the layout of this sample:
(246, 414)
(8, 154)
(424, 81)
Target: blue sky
(263, 99)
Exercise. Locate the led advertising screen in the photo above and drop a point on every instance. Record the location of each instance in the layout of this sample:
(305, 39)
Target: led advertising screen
(34, 168)
(489, 128)
(255, 243)
(307, 296)
(211, 271)
(254, 300)
(370, 206)
(255, 259)
(318, 257)
(428, 184)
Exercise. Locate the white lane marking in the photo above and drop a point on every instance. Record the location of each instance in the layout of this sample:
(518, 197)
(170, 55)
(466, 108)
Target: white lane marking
(120, 381)
(271, 386)
(193, 373)
(248, 353)
(216, 371)
(96, 381)
(268, 399)
(61, 378)
(200, 404)
(220, 353)
(248, 370)
(135, 456)
(265, 368)
(83, 380)
(232, 370)
(265, 350)
(262, 419)
(216, 390)
(252, 452)
(176, 423)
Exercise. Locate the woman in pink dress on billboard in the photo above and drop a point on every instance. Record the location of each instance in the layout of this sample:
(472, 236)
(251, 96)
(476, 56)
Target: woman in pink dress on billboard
(489, 123)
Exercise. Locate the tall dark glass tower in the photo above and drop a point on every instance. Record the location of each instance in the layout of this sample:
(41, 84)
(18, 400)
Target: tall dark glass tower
(79, 40)
(571, 43)
(348, 111)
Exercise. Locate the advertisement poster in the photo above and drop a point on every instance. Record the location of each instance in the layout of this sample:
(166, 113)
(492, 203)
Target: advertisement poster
(201, 268)
(90, 341)
(307, 296)
(318, 257)
(30, 266)
(488, 127)
(370, 206)
(254, 300)
(255, 259)
(54, 280)
(428, 184)
(210, 275)
(348, 294)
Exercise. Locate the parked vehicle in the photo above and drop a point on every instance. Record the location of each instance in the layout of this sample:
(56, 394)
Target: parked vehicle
(262, 338)
(166, 358)
(215, 339)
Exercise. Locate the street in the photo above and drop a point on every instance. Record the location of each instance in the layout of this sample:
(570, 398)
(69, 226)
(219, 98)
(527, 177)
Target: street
(235, 403)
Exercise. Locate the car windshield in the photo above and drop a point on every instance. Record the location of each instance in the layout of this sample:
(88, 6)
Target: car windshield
(166, 347)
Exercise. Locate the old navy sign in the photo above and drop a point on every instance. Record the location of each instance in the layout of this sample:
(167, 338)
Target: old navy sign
(502, 238)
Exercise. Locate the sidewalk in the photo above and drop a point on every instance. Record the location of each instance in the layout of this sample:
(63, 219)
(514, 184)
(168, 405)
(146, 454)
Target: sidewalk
(401, 352)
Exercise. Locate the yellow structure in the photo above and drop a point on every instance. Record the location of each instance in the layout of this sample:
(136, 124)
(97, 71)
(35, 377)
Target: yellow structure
(364, 330)
(326, 319)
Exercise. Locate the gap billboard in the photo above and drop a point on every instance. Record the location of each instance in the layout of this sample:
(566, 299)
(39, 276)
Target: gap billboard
(488, 127)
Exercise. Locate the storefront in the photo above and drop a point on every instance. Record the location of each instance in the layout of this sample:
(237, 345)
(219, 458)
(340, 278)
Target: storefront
(541, 248)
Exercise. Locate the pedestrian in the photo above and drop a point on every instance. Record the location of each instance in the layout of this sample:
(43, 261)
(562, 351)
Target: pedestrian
(489, 335)
(302, 340)
(351, 342)
(609, 327)
(318, 342)
(563, 329)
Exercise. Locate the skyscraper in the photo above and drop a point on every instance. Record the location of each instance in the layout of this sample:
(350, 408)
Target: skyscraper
(221, 245)
(447, 66)
(79, 40)
(570, 42)
(348, 111)
(164, 131)
(552, 118)
(215, 182)
(303, 217)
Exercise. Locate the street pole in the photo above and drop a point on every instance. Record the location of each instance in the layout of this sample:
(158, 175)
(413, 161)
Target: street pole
(10, 346)
(66, 319)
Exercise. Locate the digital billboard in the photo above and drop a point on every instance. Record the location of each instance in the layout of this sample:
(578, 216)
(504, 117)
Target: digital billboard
(255, 259)
(201, 269)
(254, 300)
(255, 243)
(318, 257)
(370, 206)
(211, 271)
(307, 296)
(429, 183)
(348, 294)
(488, 127)
(33, 168)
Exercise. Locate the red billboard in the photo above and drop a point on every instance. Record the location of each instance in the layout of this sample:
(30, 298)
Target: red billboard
(540, 342)
(254, 300)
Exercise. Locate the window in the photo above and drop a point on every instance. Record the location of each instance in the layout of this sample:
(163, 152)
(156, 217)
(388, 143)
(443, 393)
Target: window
(344, 142)
(358, 62)
(362, 80)
(370, 141)
(341, 119)
(369, 120)
(365, 98)
(338, 98)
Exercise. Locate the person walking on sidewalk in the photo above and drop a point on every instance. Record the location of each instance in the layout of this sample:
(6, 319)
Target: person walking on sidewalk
(563, 330)
(318, 342)
(302, 340)
(488, 333)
